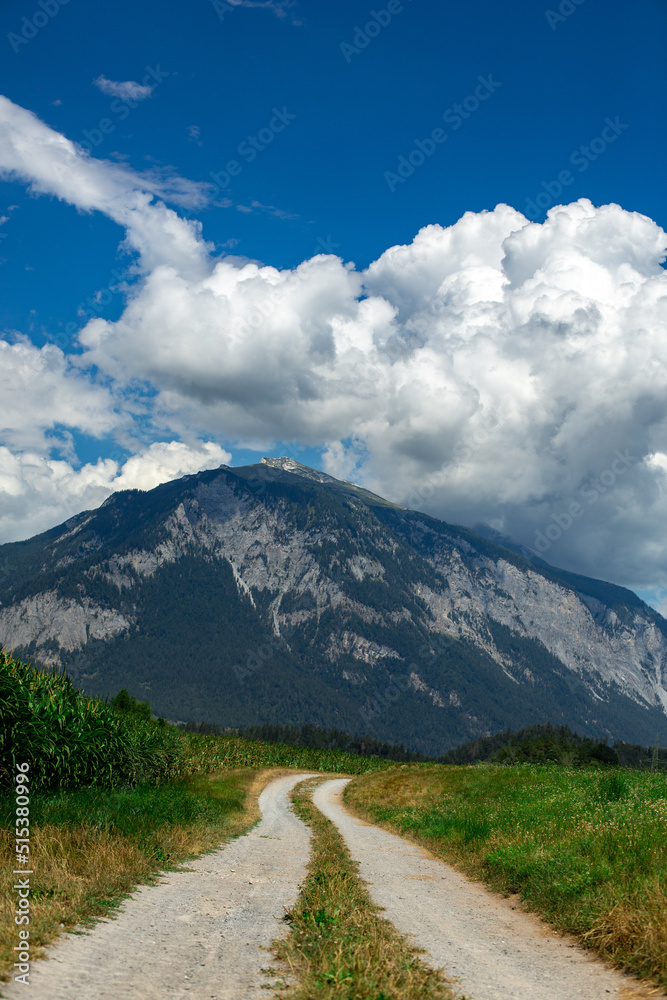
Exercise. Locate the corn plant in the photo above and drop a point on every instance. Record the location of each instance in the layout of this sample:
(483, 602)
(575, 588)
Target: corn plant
(71, 740)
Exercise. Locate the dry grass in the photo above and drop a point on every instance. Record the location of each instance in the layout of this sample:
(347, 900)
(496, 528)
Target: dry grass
(586, 850)
(84, 868)
(339, 946)
(638, 926)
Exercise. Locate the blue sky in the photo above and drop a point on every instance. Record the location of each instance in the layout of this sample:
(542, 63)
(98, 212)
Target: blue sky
(352, 121)
(284, 128)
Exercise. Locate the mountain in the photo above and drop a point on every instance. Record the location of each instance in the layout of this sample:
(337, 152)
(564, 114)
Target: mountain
(274, 593)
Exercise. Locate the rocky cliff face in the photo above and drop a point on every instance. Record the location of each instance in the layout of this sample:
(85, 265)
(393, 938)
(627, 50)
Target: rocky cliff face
(277, 593)
(582, 633)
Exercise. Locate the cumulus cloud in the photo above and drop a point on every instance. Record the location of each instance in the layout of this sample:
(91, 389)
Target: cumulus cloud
(52, 164)
(128, 90)
(37, 492)
(491, 371)
(41, 389)
(164, 461)
(497, 370)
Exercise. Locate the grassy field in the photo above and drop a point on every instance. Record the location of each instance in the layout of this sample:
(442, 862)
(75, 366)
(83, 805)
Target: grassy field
(92, 846)
(115, 797)
(339, 947)
(201, 754)
(586, 849)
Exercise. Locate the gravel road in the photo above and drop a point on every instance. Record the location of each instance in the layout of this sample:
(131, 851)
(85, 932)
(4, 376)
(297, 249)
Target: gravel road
(199, 933)
(495, 952)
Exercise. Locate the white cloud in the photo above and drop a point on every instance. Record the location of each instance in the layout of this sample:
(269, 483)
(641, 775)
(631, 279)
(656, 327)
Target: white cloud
(257, 206)
(164, 461)
(128, 90)
(280, 8)
(38, 492)
(51, 164)
(493, 370)
(40, 389)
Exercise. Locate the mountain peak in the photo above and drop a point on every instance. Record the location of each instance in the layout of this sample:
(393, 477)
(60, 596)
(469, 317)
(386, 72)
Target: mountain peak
(289, 465)
(297, 469)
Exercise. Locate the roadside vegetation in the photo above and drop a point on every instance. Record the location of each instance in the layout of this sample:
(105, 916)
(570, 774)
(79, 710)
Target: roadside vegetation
(71, 741)
(117, 796)
(318, 738)
(548, 744)
(584, 848)
(340, 948)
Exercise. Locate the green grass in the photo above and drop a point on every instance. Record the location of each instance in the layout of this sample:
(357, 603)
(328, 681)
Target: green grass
(143, 814)
(339, 947)
(586, 849)
(115, 796)
(90, 846)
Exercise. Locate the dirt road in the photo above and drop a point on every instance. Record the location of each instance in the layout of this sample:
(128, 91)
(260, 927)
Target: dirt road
(199, 933)
(496, 953)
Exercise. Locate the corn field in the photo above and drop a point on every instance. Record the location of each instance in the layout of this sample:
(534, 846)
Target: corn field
(72, 741)
(203, 754)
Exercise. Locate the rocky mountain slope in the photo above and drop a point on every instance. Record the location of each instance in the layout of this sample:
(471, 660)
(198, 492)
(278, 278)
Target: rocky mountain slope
(275, 593)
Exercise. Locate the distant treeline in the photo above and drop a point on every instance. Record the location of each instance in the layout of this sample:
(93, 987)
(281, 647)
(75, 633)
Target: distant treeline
(539, 744)
(316, 738)
(558, 744)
